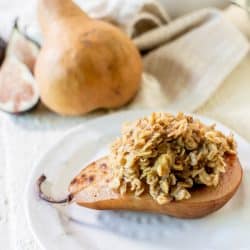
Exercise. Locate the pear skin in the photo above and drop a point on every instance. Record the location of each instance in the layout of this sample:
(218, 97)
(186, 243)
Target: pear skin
(90, 188)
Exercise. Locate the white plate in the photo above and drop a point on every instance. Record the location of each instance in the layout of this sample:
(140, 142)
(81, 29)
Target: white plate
(58, 227)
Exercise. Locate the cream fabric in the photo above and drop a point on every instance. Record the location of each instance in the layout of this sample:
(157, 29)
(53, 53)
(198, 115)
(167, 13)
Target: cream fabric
(184, 45)
(230, 104)
(184, 56)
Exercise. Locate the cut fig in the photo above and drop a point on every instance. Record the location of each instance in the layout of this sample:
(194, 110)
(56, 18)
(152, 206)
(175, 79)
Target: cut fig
(18, 90)
(21, 46)
(2, 50)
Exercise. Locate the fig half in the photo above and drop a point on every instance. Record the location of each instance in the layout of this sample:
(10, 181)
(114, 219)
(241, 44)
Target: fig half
(22, 47)
(2, 50)
(90, 188)
(18, 89)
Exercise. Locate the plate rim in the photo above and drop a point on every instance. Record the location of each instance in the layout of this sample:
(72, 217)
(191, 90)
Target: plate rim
(80, 127)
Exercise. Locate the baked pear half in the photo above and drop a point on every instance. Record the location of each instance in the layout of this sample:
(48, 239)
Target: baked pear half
(91, 188)
(162, 163)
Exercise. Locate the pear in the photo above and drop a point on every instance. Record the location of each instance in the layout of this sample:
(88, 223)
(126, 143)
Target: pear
(91, 188)
(84, 64)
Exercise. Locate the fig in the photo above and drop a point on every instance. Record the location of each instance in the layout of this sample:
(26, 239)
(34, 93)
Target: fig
(2, 50)
(18, 90)
(22, 47)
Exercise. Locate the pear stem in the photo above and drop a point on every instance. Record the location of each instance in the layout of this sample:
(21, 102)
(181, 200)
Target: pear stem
(47, 198)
